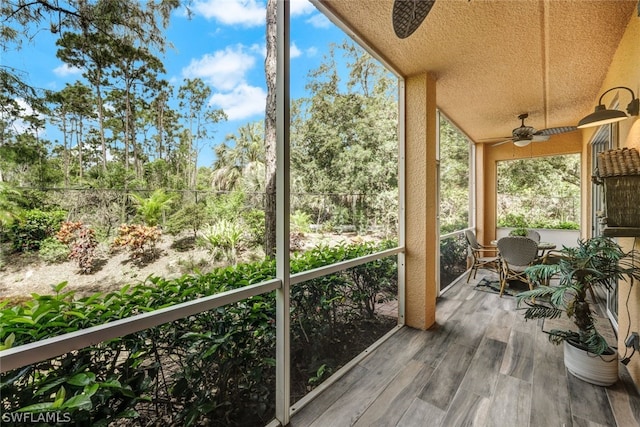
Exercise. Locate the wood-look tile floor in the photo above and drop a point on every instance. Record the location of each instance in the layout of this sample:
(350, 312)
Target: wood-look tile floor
(481, 365)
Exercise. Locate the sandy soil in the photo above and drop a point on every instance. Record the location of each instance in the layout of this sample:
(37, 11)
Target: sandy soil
(23, 274)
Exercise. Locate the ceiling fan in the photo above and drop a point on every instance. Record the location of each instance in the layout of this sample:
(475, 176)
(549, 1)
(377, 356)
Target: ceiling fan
(524, 135)
(407, 15)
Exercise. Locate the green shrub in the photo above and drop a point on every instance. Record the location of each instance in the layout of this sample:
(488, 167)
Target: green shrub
(32, 227)
(214, 368)
(53, 251)
(226, 206)
(190, 217)
(222, 239)
(300, 222)
(152, 208)
(255, 227)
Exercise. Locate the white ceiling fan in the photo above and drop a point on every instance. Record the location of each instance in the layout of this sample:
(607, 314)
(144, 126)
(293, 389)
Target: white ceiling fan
(524, 135)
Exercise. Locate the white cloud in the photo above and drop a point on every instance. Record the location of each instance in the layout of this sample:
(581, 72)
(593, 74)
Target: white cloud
(224, 69)
(65, 70)
(312, 51)
(300, 7)
(294, 52)
(244, 101)
(319, 21)
(15, 117)
(249, 13)
(260, 49)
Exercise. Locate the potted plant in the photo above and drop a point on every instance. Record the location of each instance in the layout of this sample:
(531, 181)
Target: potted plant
(519, 231)
(563, 287)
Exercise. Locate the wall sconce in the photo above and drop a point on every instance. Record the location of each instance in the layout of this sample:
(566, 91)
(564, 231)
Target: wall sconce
(602, 116)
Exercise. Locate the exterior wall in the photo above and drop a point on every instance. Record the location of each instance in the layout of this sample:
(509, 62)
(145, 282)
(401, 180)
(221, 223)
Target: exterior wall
(624, 71)
(421, 202)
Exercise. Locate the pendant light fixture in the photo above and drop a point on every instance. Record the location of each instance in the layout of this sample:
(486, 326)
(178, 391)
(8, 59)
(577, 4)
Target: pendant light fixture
(602, 115)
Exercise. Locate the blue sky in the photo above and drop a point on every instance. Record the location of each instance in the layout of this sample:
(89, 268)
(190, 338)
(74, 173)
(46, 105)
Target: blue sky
(223, 44)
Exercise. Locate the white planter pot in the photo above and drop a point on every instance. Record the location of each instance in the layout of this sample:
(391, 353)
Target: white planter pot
(595, 369)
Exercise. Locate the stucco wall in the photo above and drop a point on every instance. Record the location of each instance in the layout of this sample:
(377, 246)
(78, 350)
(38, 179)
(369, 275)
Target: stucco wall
(625, 71)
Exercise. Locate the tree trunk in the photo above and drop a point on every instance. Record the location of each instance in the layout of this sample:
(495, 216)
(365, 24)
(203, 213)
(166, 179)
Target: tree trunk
(103, 141)
(80, 147)
(270, 137)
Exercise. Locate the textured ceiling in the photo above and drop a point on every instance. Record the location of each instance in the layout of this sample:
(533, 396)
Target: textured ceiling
(496, 59)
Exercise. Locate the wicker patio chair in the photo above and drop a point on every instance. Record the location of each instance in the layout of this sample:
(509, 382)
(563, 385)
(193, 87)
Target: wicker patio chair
(516, 254)
(533, 235)
(483, 256)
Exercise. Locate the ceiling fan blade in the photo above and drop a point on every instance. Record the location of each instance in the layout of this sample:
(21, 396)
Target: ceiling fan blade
(540, 138)
(495, 139)
(556, 130)
(502, 142)
(407, 15)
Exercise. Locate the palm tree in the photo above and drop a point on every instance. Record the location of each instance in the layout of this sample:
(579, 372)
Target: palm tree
(240, 166)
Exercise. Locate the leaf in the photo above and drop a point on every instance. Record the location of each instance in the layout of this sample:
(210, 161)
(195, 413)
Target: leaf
(111, 384)
(82, 379)
(60, 286)
(8, 342)
(44, 389)
(24, 320)
(129, 413)
(59, 397)
(76, 314)
(81, 401)
(38, 407)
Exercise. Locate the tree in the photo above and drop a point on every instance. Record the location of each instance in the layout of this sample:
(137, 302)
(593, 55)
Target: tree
(193, 96)
(241, 166)
(541, 192)
(270, 136)
(91, 52)
(114, 20)
(454, 178)
(73, 105)
(344, 140)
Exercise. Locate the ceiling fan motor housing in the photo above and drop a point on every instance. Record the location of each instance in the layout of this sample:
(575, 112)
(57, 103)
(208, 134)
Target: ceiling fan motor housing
(523, 132)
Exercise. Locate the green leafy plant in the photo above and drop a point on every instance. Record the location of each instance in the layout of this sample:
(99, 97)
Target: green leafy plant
(9, 207)
(32, 227)
(213, 368)
(521, 231)
(153, 207)
(300, 222)
(53, 251)
(254, 221)
(222, 239)
(190, 217)
(596, 262)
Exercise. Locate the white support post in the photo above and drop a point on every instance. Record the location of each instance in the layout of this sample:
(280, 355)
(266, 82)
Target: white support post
(283, 337)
